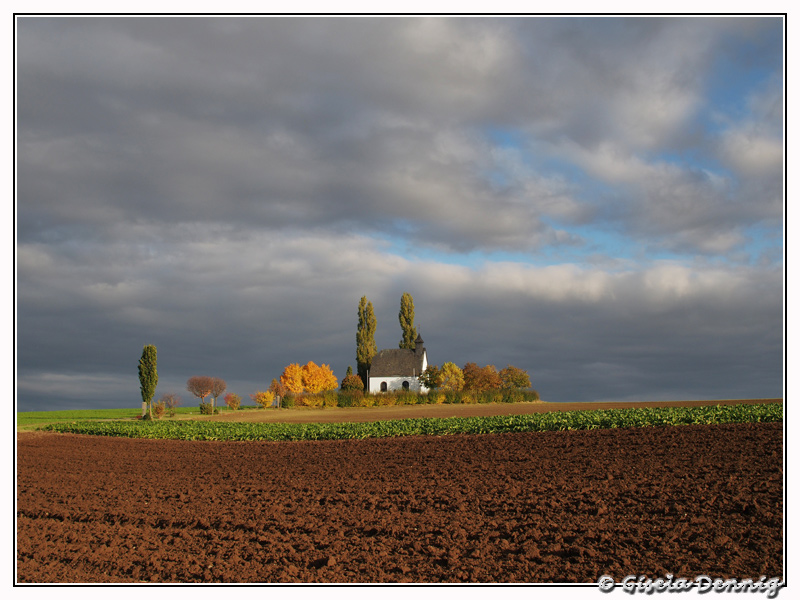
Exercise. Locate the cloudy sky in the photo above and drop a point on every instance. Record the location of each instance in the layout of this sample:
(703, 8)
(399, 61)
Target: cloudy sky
(598, 201)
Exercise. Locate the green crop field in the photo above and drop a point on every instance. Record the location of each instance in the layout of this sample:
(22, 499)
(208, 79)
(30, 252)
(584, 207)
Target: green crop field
(32, 419)
(549, 421)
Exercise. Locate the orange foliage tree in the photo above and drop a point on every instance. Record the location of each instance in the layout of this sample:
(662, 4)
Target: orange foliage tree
(481, 379)
(318, 378)
(292, 378)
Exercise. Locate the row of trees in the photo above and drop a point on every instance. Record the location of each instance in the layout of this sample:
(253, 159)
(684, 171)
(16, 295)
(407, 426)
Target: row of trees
(202, 386)
(472, 377)
(313, 378)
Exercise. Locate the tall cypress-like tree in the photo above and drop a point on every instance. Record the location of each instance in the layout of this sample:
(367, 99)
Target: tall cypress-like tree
(365, 338)
(148, 377)
(407, 321)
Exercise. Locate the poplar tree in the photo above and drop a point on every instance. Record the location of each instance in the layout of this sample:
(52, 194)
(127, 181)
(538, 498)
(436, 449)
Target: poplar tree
(148, 377)
(407, 322)
(365, 338)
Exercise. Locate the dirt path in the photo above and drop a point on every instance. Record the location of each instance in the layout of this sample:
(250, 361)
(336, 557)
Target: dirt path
(531, 507)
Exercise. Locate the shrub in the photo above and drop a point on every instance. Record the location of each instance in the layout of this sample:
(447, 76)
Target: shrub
(159, 408)
(385, 399)
(264, 399)
(233, 401)
(330, 399)
(352, 383)
(171, 402)
(490, 396)
(349, 398)
(469, 397)
(206, 408)
(288, 400)
(404, 398)
(308, 400)
(436, 398)
(452, 397)
(513, 395)
(368, 400)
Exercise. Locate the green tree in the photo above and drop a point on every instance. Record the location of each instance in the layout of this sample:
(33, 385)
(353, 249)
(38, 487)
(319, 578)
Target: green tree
(514, 378)
(365, 337)
(451, 377)
(431, 377)
(148, 377)
(407, 321)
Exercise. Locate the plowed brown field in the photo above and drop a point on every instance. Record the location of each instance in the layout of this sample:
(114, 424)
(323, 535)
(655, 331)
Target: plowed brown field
(532, 507)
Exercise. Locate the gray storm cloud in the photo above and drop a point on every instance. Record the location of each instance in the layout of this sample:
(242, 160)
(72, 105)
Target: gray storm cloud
(567, 195)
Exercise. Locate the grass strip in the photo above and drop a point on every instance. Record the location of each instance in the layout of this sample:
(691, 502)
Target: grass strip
(551, 421)
(29, 419)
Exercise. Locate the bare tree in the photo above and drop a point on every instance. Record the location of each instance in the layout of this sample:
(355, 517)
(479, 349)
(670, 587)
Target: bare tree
(217, 389)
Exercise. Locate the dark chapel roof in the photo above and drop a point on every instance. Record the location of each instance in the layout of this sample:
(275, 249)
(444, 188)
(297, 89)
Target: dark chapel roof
(398, 362)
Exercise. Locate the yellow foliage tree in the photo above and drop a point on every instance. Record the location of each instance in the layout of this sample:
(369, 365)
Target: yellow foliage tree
(292, 378)
(263, 398)
(452, 378)
(318, 378)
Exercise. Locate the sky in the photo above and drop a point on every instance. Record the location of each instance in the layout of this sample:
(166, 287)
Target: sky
(596, 200)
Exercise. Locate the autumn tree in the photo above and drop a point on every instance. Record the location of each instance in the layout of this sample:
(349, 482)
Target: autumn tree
(217, 389)
(233, 401)
(263, 398)
(277, 388)
(352, 382)
(451, 377)
(407, 321)
(514, 378)
(318, 378)
(430, 377)
(481, 379)
(292, 378)
(148, 377)
(365, 337)
(200, 386)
